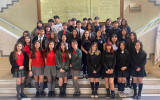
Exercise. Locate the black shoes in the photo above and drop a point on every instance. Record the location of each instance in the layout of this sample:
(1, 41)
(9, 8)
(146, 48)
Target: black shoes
(42, 93)
(50, 94)
(135, 96)
(23, 95)
(37, 94)
(76, 94)
(112, 95)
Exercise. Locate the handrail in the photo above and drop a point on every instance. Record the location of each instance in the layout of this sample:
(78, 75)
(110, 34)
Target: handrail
(157, 19)
(11, 24)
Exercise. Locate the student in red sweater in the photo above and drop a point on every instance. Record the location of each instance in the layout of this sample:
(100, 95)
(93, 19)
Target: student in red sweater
(36, 67)
(50, 67)
(19, 62)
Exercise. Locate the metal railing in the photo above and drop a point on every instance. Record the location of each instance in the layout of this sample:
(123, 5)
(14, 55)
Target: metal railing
(148, 26)
(10, 27)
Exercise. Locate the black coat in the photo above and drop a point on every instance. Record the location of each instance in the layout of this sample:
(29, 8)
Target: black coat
(122, 60)
(138, 60)
(21, 40)
(14, 64)
(115, 31)
(94, 62)
(43, 41)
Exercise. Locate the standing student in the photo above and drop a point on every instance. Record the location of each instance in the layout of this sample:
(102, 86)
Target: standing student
(70, 28)
(51, 23)
(124, 24)
(36, 31)
(69, 23)
(131, 49)
(122, 67)
(57, 26)
(124, 36)
(94, 67)
(41, 37)
(115, 42)
(138, 61)
(119, 20)
(27, 49)
(100, 41)
(108, 25)
(75, 66)
(90, 20)
(64, 39)
(62, 63)
(79, 30)
(105, 35)
(19, 62)
(115, 30)
(90, 28)
(96, 24)
(22, 38)
(76, 37)
(109, 62)
(50, 68)
(86, 43)
(64, 32)
(48, 30)
(36, 67)
(85, 21)
(52, 37)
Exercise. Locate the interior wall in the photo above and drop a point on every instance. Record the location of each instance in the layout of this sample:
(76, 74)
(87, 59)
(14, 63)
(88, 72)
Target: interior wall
(22, 14)
(137, 20)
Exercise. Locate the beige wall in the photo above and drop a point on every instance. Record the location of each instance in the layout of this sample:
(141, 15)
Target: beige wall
(137, 20)
(22, 14)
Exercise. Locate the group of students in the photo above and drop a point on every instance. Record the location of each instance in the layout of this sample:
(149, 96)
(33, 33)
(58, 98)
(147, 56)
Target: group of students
(110, 51)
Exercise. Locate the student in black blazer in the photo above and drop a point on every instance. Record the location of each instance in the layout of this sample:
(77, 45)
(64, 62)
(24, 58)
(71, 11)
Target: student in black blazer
(138, 61)
(19, 62)
(22, 39)
(41, 37)
(91, 29)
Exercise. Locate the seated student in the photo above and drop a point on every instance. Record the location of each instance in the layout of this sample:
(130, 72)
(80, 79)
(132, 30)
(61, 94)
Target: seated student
(75, 66)
(51, 23)
(124, 35)
(52, 37)
(36, 67)
(47, 30)
(109, 62)
(57, 26)
(69, 23)
(36, 32)
(94, 67)
(108, 25)
(41, 37)
(85, 21)
(64, 32)
(119, 20)
(64, 39)
(115, 30)
(27, 49)
(79, 30)
(122, 67)
(86, 43)
(70, 28)
(90, 28)
(90, 20)
(75, 36)
(22, 38)
(105, 35)
(100, 41)
(138, 61)
(19, 62)
(96, 24)
(62, 63)
(124, 24)
(50, 68)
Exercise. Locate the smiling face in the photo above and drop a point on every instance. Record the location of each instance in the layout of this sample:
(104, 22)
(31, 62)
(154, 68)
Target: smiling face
(114, 39)
(39, 24)
(74, 45)
(41, 32)
(137, 46)
(48, 29)
(27, 39)
(19, 47)
(98, 33)
(132, 37)
(86, 34)
(63, 46)
(124, 32)
(51, 46)
(94, 47)
(64, 38)
(37, 45)
(122, 46)
(74, 32)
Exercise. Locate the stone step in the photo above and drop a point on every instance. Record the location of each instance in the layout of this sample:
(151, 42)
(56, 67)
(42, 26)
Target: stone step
(85, 89)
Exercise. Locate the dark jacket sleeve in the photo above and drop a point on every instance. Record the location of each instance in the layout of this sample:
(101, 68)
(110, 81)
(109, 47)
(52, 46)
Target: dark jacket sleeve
(114, 62)
(100, 62)
(90, 67)
(26, 61)
(143, 60)
(103, 61)
(13, 63)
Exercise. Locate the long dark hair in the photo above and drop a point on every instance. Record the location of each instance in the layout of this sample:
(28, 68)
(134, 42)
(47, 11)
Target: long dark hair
(55, 39)
(135, 37)
(49, 27)
(101, 36)
(141, 45)
(92, 27)
(29, 42)
(126, 24)
(48, 49)
(33, 55)
(84, 38)
(41, 23)
(65, 51)
(122, 42)
(15, 50)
